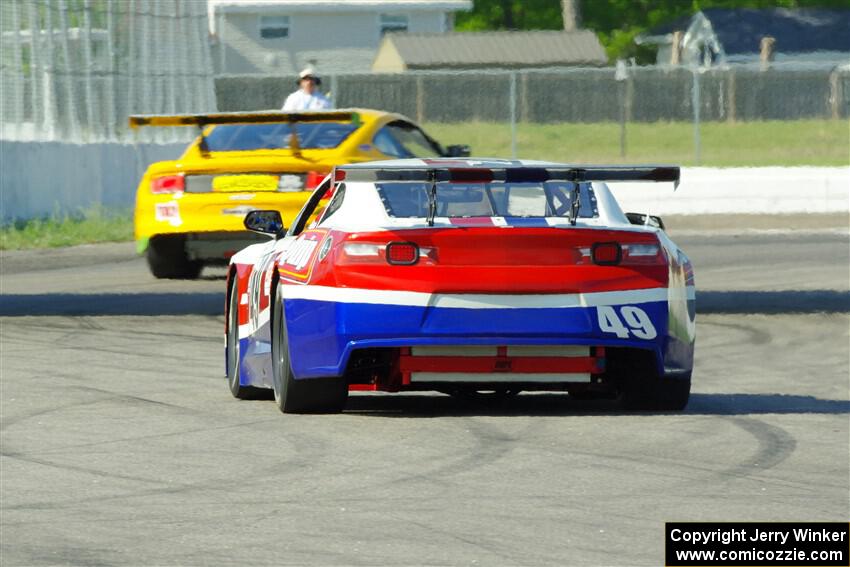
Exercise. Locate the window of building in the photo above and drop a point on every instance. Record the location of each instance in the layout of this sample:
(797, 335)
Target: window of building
(393, 23)
(274, 27)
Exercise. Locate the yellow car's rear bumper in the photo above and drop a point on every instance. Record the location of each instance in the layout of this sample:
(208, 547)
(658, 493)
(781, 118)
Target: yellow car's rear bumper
(207, 213)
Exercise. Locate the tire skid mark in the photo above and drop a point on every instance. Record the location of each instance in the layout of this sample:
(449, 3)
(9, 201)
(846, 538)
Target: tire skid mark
(756, 336)
(491, 444)
(774, 446)
(293, 466)
(86, 323)
(492, 548)
(6, 423)
(145, 437)
(75, 468)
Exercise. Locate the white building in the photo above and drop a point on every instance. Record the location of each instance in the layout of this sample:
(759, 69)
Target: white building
(280, 37)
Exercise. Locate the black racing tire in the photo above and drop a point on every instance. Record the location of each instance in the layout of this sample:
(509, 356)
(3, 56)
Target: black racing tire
(315, 395)
(651, 393)
(643, 389)
(232, 350)
(167, 259)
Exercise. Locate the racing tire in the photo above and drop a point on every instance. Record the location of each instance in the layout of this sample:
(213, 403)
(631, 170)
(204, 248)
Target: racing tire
(314, 395)
(650, 392)
(642, 388)
(167, 259)
(232, 350)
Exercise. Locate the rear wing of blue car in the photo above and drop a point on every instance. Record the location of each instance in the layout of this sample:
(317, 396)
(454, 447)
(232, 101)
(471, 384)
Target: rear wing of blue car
(511, 174)
(475, 171)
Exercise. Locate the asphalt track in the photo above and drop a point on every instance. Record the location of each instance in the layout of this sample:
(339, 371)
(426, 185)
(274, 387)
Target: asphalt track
(121, 445)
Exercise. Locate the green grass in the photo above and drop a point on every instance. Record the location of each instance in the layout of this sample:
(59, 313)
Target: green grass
(740, 144)
(94, 225)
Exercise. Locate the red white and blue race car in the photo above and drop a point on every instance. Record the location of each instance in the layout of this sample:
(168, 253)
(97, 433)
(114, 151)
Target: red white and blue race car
(463, 276)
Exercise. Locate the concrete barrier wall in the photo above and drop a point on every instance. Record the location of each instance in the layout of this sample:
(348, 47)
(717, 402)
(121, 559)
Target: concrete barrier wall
(45, 178)
(754, 190)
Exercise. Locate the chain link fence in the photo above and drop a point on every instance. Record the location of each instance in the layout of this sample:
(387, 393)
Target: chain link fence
(519, 112)
(73, 70)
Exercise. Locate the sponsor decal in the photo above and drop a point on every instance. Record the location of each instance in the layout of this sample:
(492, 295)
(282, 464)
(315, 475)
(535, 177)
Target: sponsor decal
(168, 212)
(245, 183)
(239, 211)
(299, 254)
(290, 183)
(242, 197)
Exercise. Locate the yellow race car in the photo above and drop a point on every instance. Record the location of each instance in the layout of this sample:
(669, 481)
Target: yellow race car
(189, 211)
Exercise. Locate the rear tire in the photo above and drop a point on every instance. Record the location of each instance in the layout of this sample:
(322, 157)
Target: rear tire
(167, 259)
(642, 388)
(232, 350)
(315, 395)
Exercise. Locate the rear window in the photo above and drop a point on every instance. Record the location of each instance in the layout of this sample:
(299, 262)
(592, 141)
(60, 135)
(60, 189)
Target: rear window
(311, 136)
(550, 199)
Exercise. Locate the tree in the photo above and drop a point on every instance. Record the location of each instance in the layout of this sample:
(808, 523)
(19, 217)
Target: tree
(616, 22)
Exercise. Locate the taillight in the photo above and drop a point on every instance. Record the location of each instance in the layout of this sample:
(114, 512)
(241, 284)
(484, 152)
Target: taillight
(642, 254)
(168, 184)
(312, 180)
(606, 253)
(396, 253)
(402, 253)
(627, 254)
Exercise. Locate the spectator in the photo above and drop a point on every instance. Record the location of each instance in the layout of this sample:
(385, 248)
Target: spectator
(307, 97)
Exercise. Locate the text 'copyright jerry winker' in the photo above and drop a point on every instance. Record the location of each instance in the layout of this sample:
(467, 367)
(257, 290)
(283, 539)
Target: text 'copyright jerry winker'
(744, 544)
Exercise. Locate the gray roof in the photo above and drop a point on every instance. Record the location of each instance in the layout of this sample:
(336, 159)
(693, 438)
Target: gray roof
(498, 49)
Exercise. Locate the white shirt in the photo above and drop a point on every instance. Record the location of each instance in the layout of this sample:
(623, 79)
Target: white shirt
(299, 100)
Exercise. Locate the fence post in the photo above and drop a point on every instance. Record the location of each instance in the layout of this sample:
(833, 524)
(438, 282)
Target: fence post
(834, 93)
(420, 99)
(523, 98)
(335, 90)
(111, 110)
(17, 73)
(71, 105)
(50, 110)
(695, 101)
(731, 94)
(621, 76)
(36, 68)
(512, 104)
(89, 63)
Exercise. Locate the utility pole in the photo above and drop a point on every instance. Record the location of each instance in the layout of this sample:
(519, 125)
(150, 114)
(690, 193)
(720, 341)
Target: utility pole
(571, 13)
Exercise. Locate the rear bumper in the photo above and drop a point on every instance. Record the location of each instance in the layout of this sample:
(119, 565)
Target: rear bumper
(209, 247)
(324, 334)
(205, 213)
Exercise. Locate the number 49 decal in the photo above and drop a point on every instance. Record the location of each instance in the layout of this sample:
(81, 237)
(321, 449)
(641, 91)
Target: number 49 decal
(637, 322)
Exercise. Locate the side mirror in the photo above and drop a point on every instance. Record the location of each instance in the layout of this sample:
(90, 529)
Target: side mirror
(458, 150)
(640, 218)
(264, 222)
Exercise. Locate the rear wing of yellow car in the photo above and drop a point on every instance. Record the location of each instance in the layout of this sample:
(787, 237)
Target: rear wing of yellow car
(265, 117)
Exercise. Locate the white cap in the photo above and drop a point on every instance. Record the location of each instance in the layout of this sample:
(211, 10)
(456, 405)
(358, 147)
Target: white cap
(308, 72)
